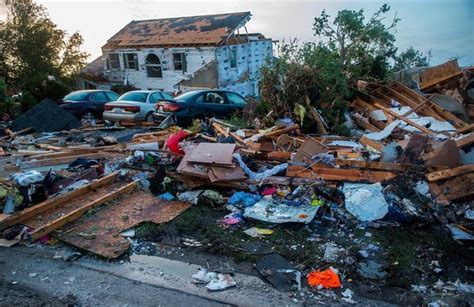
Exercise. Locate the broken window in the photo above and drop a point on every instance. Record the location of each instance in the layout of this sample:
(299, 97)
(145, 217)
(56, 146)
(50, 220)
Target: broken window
(153, 66)
(130, 61)
(113, 61)
(233, 58)
(179, 61)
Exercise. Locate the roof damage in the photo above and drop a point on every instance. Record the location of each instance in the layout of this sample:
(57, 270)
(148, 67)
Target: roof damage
(208, 30)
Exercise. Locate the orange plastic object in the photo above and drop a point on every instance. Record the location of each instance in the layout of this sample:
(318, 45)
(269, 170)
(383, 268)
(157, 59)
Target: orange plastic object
(327, 278)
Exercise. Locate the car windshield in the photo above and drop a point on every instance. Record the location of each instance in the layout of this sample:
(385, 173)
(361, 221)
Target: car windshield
(185, 96)
(133, 96)
(77, 96)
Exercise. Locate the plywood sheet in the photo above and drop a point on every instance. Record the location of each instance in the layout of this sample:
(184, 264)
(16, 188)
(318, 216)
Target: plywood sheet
(100, 233)
(213, 153)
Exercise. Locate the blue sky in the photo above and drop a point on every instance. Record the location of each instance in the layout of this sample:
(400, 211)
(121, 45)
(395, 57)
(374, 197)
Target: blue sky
(444, 27)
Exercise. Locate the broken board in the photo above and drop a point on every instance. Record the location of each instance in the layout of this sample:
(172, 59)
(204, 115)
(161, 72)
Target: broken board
(211, 153)
(100, 233)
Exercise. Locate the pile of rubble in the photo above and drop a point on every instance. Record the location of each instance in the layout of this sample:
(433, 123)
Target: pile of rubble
(409, 161)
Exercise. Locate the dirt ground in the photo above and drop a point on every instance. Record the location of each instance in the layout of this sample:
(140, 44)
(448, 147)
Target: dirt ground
(410, 256)
(20, 295)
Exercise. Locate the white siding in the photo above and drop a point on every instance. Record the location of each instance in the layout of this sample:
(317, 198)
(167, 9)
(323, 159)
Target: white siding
(195, 58)
(244, 78)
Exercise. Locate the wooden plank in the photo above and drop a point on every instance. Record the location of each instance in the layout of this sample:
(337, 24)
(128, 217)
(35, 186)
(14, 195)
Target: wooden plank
(282, 131)
(279, 155)
(351, 175)
(465, 141)
(467, 128)
(411, 123)
(372, 143)
(437, 194)
(19, 217)
(58, 223)
(364, 123)
(315, 115)
(439, 74)
(459, 186)
(56, 161)
(451, 172)
(372, 165)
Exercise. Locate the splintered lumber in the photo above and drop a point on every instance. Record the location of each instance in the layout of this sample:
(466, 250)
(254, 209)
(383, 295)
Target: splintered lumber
(431, 76)
(465, 141)
(77, 213)
(436, 193)
(52, 203)
(352, 175)
(408, 121)
(371, 143)
(282, 131)
(56, 161)
(459, 186)
(451, 172)
(364, 123)
(372, 165)
(279, 155)
(315, 115)
(467, 128)
(100, 232)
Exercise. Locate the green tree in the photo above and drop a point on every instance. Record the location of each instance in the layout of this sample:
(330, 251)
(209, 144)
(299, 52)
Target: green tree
(33, 45)
(410, 58)
(364, 46)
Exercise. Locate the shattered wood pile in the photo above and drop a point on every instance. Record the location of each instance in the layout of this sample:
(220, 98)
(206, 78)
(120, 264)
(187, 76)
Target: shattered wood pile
(82, 186)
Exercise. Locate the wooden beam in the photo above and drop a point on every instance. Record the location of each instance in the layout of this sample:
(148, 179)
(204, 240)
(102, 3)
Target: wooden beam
(451, 172)
(281, 131)
(51, 203)
(74, 215)
(372, 143)
(56, 161)
(465, 141)
(411, 123)
(465, 129)
(351, 175)
(315, 115)
(372, 165)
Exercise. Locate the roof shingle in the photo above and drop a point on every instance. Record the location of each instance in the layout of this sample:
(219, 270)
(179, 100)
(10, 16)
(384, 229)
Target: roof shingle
(181, 31)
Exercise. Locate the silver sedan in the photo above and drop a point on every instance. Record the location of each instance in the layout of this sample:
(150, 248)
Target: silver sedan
(134, 106)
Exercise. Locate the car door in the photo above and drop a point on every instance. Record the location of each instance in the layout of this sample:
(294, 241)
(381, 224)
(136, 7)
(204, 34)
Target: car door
(211, 104)
(97, 101)
(236, 102)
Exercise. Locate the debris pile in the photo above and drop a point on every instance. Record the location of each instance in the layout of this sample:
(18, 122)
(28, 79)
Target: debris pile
(409, 161)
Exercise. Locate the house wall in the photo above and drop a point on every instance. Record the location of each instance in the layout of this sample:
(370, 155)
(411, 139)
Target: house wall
(195, 57)
(243, 78)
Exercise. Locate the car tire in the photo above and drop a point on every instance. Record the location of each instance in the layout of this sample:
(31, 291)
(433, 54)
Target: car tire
(149, 118)
(88, 115)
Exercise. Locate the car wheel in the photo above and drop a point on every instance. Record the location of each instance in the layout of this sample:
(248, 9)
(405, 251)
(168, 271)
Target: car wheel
(149, 118)
(88, 115)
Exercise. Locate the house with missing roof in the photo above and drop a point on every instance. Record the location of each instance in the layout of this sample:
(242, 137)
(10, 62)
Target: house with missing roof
(184, 53)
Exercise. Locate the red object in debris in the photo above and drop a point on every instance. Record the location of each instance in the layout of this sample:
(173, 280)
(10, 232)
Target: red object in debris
(269, 191)
(327, 278)
(173, 142)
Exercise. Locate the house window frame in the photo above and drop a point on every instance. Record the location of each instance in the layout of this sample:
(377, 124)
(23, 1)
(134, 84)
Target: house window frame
(182, 61)
(148, 65)
(233, 58)
(127, 61)
(117, 61)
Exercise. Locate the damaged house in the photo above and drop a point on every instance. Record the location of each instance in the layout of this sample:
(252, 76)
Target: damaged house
(185, 53)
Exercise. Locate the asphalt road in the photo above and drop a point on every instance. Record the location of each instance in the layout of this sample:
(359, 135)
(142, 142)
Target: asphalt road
(33, 279)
